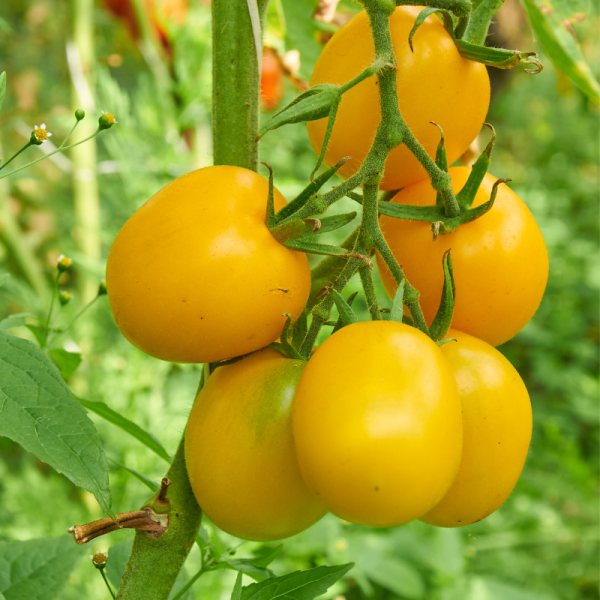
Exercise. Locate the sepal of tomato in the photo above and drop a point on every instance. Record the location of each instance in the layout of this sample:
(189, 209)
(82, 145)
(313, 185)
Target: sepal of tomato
(497, 422)
(377, 423)
(240, 454)
(500, 261)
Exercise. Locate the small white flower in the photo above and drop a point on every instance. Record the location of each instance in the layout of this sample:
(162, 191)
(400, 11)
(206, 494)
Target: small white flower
(39, 134)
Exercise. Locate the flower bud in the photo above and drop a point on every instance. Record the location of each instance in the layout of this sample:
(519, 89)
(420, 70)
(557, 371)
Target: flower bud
(80, 114)
(63, 263)
(64, 297)
(107, 120)
(99, 559)
(102, 288)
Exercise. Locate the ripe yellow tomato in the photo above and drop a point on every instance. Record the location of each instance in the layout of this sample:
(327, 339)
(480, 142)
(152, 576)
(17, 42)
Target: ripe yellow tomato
(196, 276)
(496, 428)
(434, 84)
(377, 424)
(500, 260)
(239, 450)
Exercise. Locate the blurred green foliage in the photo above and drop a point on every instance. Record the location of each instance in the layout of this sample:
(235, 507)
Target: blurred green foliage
(542, 545)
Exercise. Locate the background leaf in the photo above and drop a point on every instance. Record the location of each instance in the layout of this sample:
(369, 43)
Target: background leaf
(106, 412)
(37, 569)
(552, 22)
(2, 87)
(67, 362)
(301, 585)
(38, 411)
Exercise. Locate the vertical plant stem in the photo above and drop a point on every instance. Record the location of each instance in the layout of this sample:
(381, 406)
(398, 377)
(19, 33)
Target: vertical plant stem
(85, 186)
(154, 564)
(236, 83)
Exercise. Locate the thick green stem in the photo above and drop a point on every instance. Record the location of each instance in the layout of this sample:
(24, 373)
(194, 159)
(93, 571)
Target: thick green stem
(155, 563)
(236, 84)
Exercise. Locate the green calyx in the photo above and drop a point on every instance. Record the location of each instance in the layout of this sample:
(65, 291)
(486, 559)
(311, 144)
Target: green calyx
(464, 28)
(452, 211)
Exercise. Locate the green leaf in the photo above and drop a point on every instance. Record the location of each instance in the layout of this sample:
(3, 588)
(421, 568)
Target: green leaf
(340, 323)
(67, 362)
(5, 276)
(39, 335)
(266, 559)
(16, 320)
(37, 569)
(38, 411)
(300, 585)
(118, 555)
(480, 19)
(553, 25)
(149, 483)
(246, 566)
(394, 575)
(237, 588)
(2, 87)
(107, 413)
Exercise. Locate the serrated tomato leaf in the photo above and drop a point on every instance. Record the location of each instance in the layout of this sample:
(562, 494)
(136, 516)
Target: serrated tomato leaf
(37, 569)
(300, 585)
(38, 411)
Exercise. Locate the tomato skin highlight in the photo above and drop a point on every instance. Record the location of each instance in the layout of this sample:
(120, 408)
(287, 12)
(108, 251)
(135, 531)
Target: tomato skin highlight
(377, 424)
(500, 260)
(434, 84)
(497, 426)
(196, 276)
(240, 454)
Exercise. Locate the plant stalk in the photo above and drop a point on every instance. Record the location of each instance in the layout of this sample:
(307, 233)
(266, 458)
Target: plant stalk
(154, 564)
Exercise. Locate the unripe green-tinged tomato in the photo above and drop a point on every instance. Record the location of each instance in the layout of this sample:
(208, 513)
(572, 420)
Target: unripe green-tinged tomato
(196, 276)
(377, 424)
(500, 260)
(239, 450)
(496, 432)
(434, 84)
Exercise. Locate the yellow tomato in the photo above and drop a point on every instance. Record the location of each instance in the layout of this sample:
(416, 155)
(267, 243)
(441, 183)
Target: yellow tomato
(196, 276)
(434, 84)
(377, 424)
(496, 428)
(500, 260)
(239, 450)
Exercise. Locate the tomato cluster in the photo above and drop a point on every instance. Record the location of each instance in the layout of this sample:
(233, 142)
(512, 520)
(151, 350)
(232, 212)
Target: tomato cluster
(380, 425)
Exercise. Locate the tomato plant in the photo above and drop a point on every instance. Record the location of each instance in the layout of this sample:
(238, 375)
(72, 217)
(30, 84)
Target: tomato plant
(195, 275)
(377, 414)
(213, 269)
(500, 260)
(434, 83)
(240, 452)
(496, 414)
